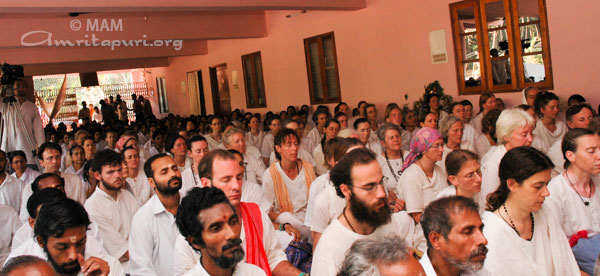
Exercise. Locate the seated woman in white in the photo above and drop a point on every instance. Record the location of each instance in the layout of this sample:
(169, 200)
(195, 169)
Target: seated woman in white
(255, 135)
(577, 116)
(18, 161)
(524, 238)
(513, 129)
(464, 177)
(332, 128)
(487, 103)
(77, 155)
(266, 148)
(421, 178)
(549, 129)
(393, 115)
(315, 135)
(363, 127)
(537, 142)
(487, 139)
(391, 160)
(215, 137)
(452, 132)
(574, 196)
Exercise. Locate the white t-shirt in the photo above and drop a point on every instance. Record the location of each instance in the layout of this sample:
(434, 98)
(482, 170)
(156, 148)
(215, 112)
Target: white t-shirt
(337, 239)
(451, 191)
(316, 188)
(328, 206)
(418, 189)
(465, 145)
(10, 192)
(296, 190)
(570, 210)
(113, 218)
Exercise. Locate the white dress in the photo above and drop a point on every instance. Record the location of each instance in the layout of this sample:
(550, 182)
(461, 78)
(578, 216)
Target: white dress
(418, 189)
(570, 210)
(14, 133)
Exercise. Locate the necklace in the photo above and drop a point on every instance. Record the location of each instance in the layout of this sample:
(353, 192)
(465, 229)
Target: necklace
(347, 221)
(390, 166)
(423, 169)
(586, 203)
(512, 224)
(287, 171)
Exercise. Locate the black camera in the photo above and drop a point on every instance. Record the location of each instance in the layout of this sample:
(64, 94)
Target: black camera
(10, 73)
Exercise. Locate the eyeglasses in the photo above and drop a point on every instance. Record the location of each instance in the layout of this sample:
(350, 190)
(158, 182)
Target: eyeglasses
(472, 174)
(243, 164)
(372, 186)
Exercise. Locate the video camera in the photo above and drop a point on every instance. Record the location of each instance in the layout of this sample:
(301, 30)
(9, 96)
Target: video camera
(10, 73)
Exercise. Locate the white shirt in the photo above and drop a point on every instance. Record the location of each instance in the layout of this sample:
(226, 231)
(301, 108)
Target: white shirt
(391, 169)
(10, 192)
(490, 163)
(314, 137)
(72, 170)
(31, 247)
(74, 188)
(255, 168)
(212, 143)
(32, 126)
(113, 218)
(296, 190)
(151, 240)
(470, 134)
(187, 257)
(28, 176)
(337, 239)
(430, 271)
(556, 155)
(316, 188)
(319, 158)
(572, 214)
(328, 206)
(241, 269)
(255, 140)
(549, 138)
(139, 187)
(418, 189)
(9, 224)
(267, 146)
(482, 145)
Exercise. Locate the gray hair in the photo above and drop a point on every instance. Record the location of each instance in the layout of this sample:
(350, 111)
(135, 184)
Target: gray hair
(384, 128)
(19, 262)
(365, 254)
(447, 124)
(347, 132)
(509, 120)
(230, 132)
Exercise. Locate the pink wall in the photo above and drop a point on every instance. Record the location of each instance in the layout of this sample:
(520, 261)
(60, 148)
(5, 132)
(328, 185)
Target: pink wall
(383, 53)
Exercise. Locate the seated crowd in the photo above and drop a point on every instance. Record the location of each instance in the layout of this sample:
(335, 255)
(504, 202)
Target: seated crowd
(443, 190)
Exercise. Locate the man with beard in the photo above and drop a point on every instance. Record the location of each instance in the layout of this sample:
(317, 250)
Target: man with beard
(358, 178)
(153, 229)
(455, 241)
(111, 206)
(211, 226)
(60, 232)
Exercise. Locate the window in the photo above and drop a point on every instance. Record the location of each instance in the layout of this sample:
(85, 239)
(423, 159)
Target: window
(322, 69)
(253, 80)
(501, 45)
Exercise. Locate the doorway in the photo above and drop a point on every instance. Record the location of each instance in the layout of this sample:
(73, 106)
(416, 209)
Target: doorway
(220, 89)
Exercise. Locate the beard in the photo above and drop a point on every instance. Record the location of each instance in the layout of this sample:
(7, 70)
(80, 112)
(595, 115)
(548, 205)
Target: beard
(111, 186)
(168, 189)
(365, 214)
(229, 262)
(71, 268)
(468, 265)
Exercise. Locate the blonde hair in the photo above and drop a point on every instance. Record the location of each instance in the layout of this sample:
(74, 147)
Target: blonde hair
(509, 120)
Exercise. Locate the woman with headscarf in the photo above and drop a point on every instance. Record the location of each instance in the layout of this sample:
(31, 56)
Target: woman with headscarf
(421, 178)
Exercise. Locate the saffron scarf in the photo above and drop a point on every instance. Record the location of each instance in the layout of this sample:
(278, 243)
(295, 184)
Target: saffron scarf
(281, 192)
(253, 228)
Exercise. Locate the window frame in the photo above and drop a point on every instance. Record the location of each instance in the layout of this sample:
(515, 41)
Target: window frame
(250, 57)
(515, 49)
(326, 99)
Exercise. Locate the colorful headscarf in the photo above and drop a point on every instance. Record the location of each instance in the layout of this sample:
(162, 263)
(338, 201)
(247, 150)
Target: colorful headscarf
(123, 140)
(420, 143)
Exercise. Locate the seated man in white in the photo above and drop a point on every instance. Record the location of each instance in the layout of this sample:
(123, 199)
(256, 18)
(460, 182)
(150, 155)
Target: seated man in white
(577, 116)
(455, 241)
(10, 186)
(111, 206)
(49, 158)
(212, 226)
(18, 162)
(221, 169)
(358, 178)
(197, 148)
(8, 229)
(287, 183)
(60, 237)
(153, 229)
(524, 237)
(233, 138)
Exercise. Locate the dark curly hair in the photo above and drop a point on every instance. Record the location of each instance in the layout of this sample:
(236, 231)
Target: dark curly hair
(342, 171)
(56, 217)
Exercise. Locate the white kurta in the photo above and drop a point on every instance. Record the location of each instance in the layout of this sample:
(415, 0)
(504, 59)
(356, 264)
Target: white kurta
(139, 187)
(241, 269)
(113, 218)
(187, 257)
(255, 140)
(268, 145)
(418, 189)
(151, 240)
(482, 145)
(10, 192)
(14, 133)
(490, 181)
(548, 137)
(296, 190)
(548, 252)
(28, 176)
(328, 206)
(337, 239)
(9, 224)
(31, 247)
(572, 214)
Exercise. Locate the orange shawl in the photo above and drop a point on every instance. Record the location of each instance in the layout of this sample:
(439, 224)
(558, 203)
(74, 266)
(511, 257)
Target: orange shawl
(281, 192)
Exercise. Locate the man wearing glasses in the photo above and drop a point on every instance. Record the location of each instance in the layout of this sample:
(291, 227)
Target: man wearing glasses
(357, 177)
